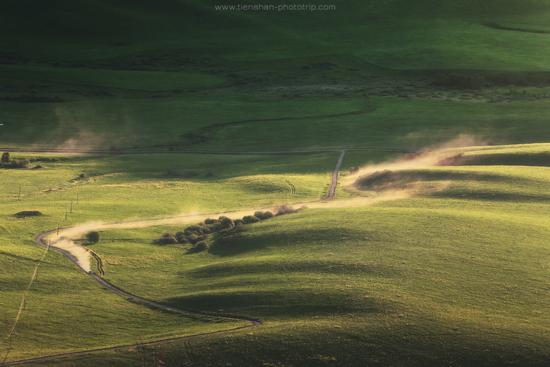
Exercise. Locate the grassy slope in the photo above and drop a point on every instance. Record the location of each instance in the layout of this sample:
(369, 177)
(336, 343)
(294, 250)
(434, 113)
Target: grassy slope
(301, 281)
(456, 276)
(152, 73)
(120, 188)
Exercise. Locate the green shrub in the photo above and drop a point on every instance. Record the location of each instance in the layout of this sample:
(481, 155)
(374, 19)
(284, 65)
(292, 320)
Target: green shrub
(214, 227)
(198, 247)
(194, 238)
(226, 222)
(210, 221)
(181, 237)
(207, 229)
(166, 239)
(92, 237)
(263, 215)
(196, 229)
(249, 219)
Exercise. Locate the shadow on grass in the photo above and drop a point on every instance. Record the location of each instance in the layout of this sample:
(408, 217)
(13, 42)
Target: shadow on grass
(427, 344)
(210, 167)
(31, 260)
(248, 241)
(490, 196)
(319, 267)
(282, 303)
(514, 159)
(398, 179)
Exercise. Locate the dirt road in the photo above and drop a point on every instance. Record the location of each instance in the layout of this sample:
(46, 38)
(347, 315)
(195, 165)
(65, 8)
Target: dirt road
(331, 194)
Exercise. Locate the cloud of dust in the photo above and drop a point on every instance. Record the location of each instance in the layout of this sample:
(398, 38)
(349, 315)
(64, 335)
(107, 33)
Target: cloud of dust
(82, 141)
(85, 127)
(65, 241)
(71, 132)
(425, 158)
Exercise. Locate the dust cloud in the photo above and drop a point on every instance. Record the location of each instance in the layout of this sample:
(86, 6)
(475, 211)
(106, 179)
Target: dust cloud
(398, 177)
(426, 158)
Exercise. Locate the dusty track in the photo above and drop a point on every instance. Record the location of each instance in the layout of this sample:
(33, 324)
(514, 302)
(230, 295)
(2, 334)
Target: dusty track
(331, 194)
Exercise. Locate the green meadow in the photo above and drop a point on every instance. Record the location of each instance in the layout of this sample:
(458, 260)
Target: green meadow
(137, 110)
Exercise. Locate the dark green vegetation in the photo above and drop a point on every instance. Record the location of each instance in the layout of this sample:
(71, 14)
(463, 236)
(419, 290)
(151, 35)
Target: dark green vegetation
(27, 213)
(213, 229)
(382, 74)
(92, 237)
(455, 276)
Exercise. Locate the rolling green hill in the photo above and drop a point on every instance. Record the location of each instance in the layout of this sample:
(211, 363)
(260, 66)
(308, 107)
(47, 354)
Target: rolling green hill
(175, 73)
(456, 275)
(139, 110)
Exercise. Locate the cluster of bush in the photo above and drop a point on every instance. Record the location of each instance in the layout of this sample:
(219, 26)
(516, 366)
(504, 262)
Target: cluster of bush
(197, 234)
(7, 162)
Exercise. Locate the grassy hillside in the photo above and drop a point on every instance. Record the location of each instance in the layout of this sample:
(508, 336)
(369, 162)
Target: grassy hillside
(100, 188)
(457, 276)
(94, 74)
(414, 281)
(227, 110)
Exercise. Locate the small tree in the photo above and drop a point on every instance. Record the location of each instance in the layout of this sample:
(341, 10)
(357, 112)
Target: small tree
(6, 157)
(92, 237)
(263, 215)
(249, 219)
(226, 222)
(181, 237)
(210, 221)
(196, 229)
